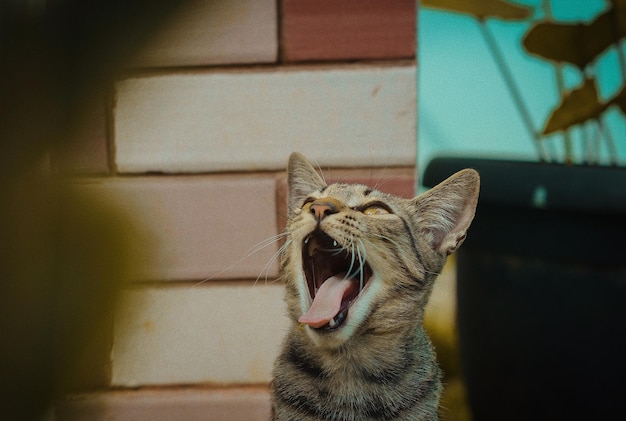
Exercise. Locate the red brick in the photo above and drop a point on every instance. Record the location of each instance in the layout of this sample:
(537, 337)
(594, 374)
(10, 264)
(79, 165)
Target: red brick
(232, 404)
(348, 29)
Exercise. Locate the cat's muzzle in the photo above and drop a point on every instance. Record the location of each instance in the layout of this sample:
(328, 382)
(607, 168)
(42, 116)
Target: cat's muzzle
(335, 274)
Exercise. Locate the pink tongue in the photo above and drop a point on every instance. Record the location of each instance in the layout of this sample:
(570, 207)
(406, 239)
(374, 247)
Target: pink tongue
(327, 301)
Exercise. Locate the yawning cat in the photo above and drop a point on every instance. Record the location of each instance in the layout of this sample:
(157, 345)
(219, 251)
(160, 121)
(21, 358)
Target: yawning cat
(358, 267)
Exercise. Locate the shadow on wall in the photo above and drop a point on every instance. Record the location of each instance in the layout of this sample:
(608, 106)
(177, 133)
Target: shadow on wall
(62, 256)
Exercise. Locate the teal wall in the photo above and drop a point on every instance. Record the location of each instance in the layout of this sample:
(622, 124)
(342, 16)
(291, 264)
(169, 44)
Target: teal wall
(464, 107)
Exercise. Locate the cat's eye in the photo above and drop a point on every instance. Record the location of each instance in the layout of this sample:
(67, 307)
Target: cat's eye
(376, 209)
(307, 202)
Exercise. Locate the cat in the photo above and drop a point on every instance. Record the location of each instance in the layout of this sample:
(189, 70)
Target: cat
(358, 267)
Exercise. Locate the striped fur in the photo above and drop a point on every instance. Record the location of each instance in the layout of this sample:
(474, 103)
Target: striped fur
(379, 364)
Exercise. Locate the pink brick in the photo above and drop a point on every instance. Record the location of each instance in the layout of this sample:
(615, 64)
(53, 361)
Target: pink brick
(348, 29)
(236, 404)
(197, 227)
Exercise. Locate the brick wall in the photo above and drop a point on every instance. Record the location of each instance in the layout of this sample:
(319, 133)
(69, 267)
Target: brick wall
(193, 146)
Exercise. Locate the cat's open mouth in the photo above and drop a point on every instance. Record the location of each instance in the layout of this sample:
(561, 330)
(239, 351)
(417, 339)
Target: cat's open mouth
(335, 277)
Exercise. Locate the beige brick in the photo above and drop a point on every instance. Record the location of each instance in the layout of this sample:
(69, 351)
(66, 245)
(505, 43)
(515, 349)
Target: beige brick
(232, 404)
(224, 334)
(215, 32)
(198, 227)
(251, 120)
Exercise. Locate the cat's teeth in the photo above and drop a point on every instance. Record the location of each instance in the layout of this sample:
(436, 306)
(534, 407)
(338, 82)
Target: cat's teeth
(334, 243)
(332, 323)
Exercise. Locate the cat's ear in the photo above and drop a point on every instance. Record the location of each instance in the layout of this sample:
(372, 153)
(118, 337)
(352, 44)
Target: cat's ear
(302, 179)
(445, 212)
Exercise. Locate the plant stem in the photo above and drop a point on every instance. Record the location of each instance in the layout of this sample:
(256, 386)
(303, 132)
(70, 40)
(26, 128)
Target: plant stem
(603, 129)
(594, 143)
(513, 89)
(567, 136)
(610, 143)
(587, 137)
(615, 29)
(560, 84)
(621, 59)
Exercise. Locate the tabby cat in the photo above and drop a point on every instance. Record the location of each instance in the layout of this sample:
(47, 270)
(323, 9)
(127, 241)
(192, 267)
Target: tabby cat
(358, 267)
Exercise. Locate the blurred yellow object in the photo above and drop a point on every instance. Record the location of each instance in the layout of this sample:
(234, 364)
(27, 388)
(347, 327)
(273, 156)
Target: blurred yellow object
(440, 322)
(62, 256)
(62, 261)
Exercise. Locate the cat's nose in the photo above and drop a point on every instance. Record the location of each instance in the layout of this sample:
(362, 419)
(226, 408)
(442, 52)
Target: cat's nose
(321, 208)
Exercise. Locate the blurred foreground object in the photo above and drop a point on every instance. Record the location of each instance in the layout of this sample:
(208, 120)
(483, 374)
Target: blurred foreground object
(62, 256)
(61, 264)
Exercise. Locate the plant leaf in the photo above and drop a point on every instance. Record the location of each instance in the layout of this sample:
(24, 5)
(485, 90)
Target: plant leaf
(620, 100)
(481, 9)
(577, 106)
(577, 43)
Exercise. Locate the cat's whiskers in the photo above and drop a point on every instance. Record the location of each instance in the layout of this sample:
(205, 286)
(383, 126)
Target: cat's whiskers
(430, 272)
(271, 261)
(264, 243)
(251, 251)
(314, 280)
(386, 238)
(335, 251)
(349, 274)
(362, 260)
(357, 253)
(382, 180)
(320, 172)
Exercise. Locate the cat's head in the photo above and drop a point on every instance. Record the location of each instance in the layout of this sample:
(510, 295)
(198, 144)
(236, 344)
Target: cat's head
(358, 261)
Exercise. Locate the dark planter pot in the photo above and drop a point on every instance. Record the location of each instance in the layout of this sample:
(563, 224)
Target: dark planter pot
(541, 285)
